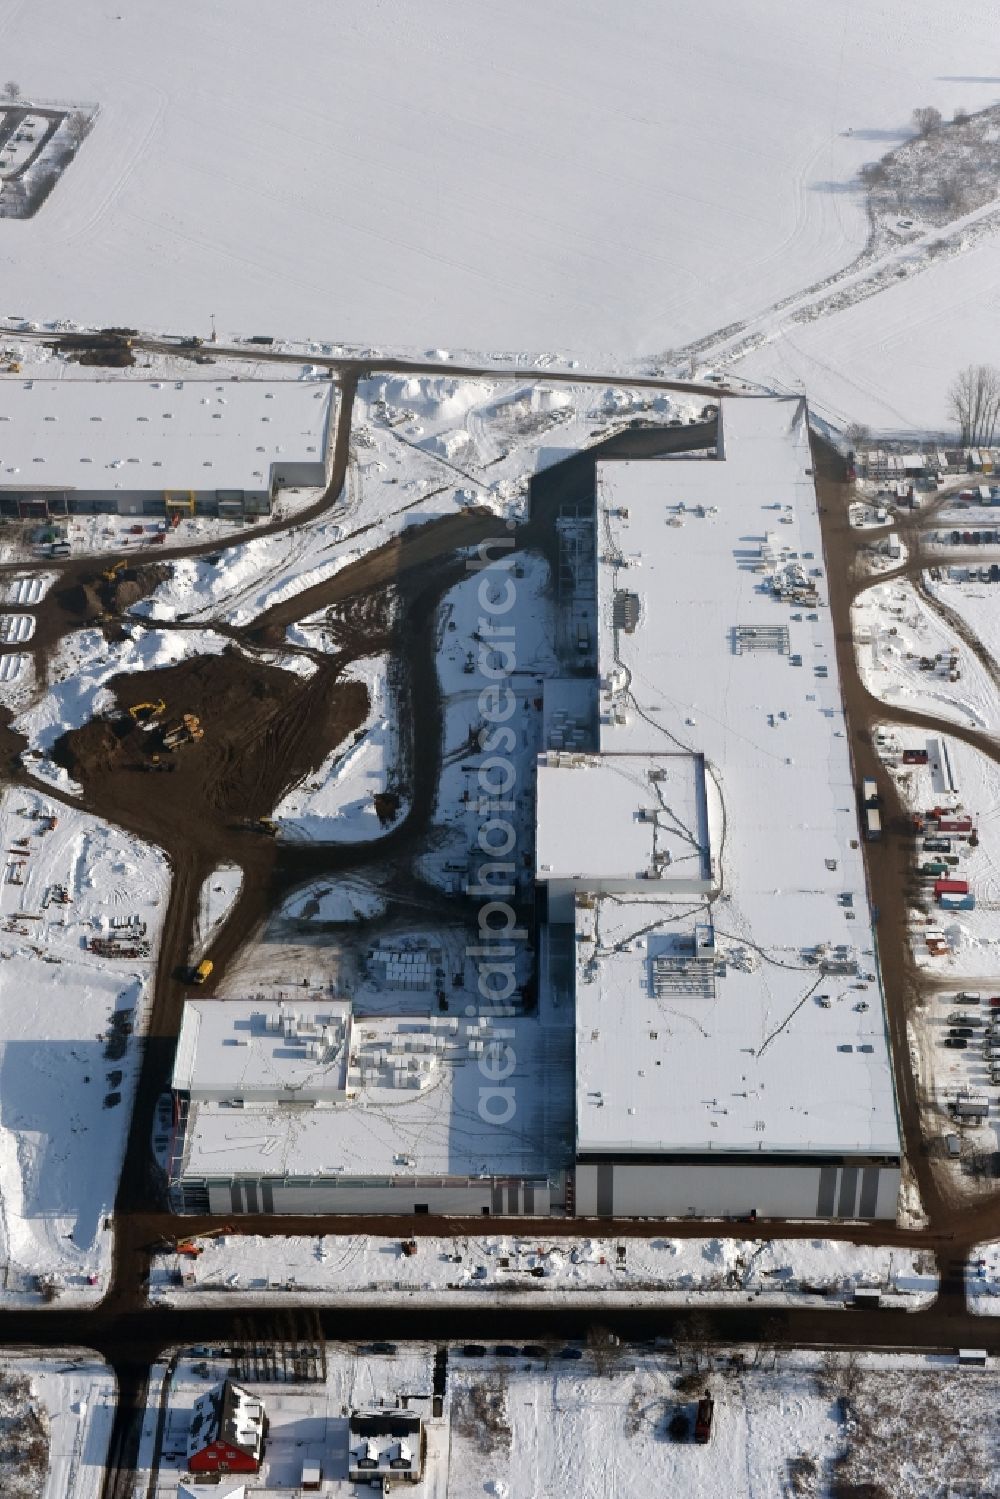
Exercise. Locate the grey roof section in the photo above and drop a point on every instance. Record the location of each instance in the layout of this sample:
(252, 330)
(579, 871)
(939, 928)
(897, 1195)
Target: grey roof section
(160, 434)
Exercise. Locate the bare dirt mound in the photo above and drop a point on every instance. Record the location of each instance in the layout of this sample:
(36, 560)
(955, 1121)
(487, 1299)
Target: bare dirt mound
(261, 730)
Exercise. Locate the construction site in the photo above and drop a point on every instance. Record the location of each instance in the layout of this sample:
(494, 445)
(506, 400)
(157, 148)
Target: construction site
(203, 716)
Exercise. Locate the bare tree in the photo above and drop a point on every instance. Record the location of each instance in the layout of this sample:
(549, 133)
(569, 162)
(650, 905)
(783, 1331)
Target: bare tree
(974, 401)
(927, 119)
(605, 1348)
(961, 115)
(12, 89)
(951, 191)
(693, 1341)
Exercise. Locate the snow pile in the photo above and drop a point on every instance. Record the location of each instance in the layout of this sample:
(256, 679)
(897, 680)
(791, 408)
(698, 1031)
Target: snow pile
(216, 899)
(338, 803)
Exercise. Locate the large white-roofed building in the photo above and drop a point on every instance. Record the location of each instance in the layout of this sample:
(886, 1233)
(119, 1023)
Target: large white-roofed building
(303, 1107)
(731, 1048)
(139, 447)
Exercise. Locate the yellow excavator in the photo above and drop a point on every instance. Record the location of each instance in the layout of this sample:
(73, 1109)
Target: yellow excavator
(145, 712)
(110, 574)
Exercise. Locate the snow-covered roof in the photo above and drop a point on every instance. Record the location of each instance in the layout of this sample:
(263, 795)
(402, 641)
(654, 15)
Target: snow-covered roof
(227, 1412)
(410, 1105)
(159, 434)
(776, 1042)
(624, 816)
(248, 1050)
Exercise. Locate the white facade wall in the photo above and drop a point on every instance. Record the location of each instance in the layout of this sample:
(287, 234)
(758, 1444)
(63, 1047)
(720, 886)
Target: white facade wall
(477, 1198)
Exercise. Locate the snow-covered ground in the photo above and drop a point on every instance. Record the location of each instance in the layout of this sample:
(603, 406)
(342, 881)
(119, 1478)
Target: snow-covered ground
(615, 1420)
(337, 802)
(894, 631)
(443, 223)
(69, 1019)
(888, 360)
(215, 901)
(977, 603)
(70, 1402)
(345, 1268)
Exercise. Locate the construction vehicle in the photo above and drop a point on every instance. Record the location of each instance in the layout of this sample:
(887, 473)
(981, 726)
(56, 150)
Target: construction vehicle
(190, 1247)
(146, 712)
(262, 825)
(202, 972)
(188, 731)
(111, 573)
(10, 366)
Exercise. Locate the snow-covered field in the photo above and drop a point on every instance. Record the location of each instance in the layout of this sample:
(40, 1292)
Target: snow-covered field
(524, 183)
(344, 1268)
(616, 1420)
(66, 1403)
(69, 1018)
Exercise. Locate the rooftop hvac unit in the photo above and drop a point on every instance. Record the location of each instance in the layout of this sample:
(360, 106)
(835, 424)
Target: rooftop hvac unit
(272, 1021)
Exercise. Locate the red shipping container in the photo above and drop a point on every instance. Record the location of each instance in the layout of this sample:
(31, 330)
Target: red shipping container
(951, 887)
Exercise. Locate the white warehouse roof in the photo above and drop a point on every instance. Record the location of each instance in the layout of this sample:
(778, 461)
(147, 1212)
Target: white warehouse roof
(406, 1103)
(159, 434)
(620, 817)
(776, 1043)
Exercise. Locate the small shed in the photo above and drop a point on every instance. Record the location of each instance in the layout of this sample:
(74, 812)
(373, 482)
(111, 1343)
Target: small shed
(973, 1358)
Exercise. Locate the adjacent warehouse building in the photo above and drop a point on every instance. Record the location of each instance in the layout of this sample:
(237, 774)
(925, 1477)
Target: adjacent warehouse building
(731, 1049)
(306, 1108)
(160, 446)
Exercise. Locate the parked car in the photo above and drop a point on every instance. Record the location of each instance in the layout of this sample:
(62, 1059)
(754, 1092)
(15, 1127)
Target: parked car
(571, 1352)
(473, 1350)
(956, 537)
(703, 1419)
(957, 1043)
(963, 1030)
(505, 1350)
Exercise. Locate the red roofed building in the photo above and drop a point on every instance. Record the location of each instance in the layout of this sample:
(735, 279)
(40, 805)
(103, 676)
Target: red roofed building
(228, 1427)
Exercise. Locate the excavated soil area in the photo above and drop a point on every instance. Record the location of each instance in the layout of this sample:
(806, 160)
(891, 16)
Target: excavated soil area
(263, 730)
